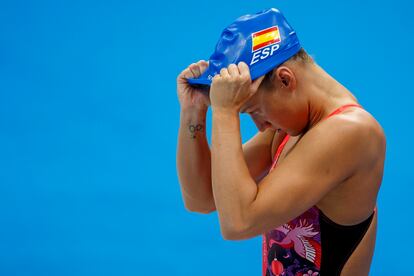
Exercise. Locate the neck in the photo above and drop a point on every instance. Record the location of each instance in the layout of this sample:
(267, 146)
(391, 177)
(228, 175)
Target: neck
(324, 94)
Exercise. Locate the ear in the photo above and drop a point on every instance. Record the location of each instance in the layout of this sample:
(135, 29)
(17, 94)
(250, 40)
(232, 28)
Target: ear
(285, 76)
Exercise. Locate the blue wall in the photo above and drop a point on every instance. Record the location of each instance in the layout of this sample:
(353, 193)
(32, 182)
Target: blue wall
(89, 119)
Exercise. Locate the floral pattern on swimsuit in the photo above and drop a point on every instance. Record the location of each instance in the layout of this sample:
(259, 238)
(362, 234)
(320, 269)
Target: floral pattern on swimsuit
(294, 249)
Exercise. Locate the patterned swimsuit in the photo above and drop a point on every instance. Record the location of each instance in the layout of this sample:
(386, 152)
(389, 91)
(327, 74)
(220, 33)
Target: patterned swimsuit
(311, 244)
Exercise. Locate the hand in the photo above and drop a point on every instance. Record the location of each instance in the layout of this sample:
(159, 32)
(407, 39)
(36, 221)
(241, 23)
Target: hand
(191, 96)
(233, 87)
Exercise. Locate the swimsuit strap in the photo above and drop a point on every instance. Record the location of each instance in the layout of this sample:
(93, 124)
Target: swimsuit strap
(342, 108)
(285, 140)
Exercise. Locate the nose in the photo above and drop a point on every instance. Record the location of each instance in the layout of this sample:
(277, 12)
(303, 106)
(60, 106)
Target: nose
(261, 125)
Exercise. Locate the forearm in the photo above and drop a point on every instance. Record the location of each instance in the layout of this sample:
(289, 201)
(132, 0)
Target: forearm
(233, 187)
(194, 161)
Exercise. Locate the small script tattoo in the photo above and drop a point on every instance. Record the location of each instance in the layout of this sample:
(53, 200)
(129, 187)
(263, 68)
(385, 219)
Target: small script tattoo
(194, 128)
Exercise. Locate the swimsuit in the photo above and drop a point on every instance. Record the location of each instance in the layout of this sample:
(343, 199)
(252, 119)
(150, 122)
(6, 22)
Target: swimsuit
(310, 244)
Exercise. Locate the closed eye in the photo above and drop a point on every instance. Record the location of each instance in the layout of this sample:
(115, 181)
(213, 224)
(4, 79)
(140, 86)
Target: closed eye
(253, 112)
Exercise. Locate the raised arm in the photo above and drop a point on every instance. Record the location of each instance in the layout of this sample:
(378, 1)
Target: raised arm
(193, 152)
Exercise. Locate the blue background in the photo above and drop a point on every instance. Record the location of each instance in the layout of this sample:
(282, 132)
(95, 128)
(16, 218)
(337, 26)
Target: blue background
(89, 119)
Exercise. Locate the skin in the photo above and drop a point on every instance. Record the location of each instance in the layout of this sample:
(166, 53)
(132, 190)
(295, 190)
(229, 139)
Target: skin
(335, 164)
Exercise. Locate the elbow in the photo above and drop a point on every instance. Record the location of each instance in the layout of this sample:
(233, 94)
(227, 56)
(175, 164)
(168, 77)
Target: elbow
(235, 233)
(229, 235)
(199, 210)
(240, 229)
(199, 206)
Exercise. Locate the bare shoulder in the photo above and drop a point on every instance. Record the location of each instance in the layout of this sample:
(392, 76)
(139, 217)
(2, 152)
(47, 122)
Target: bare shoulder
(357, 129)
(362, 144)
(366, 124)
(363, 118)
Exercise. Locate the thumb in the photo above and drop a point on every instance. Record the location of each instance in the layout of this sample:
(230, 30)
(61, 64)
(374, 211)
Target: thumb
(256, 83)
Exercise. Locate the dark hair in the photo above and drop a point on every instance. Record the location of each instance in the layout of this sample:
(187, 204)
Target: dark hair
(300, 56)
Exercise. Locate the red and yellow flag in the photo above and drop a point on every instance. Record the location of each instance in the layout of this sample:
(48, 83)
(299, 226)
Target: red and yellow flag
(265, 37)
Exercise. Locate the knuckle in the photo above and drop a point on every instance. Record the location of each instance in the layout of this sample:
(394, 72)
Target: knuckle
(245, 78)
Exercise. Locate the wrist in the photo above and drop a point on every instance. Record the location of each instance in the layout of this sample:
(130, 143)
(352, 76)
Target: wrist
(220, 111)
(193, 115)
(194, 111)
(225, 120)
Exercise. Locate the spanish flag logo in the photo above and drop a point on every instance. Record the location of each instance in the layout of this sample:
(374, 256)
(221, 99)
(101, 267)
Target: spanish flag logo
(265, 38)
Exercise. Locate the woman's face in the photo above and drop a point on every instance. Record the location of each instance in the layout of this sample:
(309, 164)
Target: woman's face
(273, 108)
(257, 108)
(276, 109)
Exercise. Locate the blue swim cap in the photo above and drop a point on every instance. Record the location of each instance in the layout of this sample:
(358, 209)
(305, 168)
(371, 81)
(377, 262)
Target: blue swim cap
(262, 40)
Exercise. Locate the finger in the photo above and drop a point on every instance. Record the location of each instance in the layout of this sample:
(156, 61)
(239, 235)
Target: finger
(202, 65)
(185, 74)
(244, 69)
(233, 70)
(195, 70)
(202, 62)
(224, 72)
(215, 78)
(256, 83)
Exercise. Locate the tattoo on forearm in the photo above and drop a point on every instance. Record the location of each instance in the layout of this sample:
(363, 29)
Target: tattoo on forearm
(194, 128)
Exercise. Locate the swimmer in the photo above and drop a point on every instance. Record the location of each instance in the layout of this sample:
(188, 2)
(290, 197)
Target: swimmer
(307, 181)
